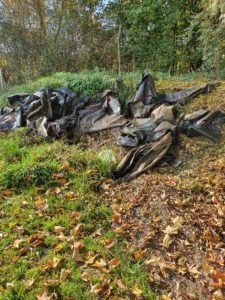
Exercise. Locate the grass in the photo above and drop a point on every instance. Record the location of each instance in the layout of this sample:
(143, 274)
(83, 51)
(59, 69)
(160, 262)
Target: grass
(49, 201)
(91, 83)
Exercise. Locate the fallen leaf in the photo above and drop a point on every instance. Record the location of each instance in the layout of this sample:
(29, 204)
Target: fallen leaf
(192, 269)
(138, 255)
(217, 295)
(137, 291)
(53, 263)
(115, 262)
(109, 243)
(70, 195)
(17, 242)
(79, 229)
(58, 247)
(91, 259)
(6, 193)
(44, 296)
(57, 191)
(116, 218)
(29, 282)
(65, 166)
(86, 276)
(99, 264)
(218, 274)
(121, 284)
(163, 265)
(166, 297)
(215, 258)
(10, 284)
(64, 274)
(36, 240)
(27, 178)
(167, 241)
(172, 230)
(59, 229)
(77, 248)
(101, 289)
(211, 237)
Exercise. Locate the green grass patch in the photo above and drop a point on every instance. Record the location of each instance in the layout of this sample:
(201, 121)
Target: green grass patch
(50, 200)
(92, 83)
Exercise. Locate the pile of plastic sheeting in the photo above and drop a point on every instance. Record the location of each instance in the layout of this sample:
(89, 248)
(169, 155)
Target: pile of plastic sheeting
(151, 124)
(62, 113)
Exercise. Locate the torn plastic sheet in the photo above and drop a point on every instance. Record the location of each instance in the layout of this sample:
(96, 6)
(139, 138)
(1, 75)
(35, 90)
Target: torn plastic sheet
(204, 123)
(151, 124)
(146, 130)
(60, 112)
(142, 158)
(146, 97)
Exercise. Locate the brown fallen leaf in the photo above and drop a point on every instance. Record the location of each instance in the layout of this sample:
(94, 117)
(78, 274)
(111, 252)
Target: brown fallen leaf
(172, 230)
(192, 269)
(36, 240)
(86, 276)
(211, 237)
(99, 264)
(44, 296)
(91, 258)
(116, 218)
(121, 284)
(115, 262)
(77, 247)
(17, 242)
(167, 241)
(109, 243)
(59, 229)
(51, 282)
(217, 295)
(218, 274)
(215, 258)
(119, 230)
(78, 229)
(57, 191)
(101, 289)
(64, 274)
(27, 178)
(53, 263)
(20, 230)
(70, 195)
(138, 255)
(163, 265)
(6, 193)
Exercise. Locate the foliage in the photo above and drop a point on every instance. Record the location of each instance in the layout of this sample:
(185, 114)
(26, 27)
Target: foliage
(42, 37)
(92, 83)
(211, 21)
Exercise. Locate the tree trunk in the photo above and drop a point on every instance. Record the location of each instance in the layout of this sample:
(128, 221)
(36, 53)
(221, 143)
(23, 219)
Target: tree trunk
(119, 50)
(1, 79)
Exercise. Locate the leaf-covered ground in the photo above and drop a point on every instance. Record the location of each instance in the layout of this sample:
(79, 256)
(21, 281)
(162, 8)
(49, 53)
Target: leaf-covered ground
(56, 238)
(175, 217)
(67, 231)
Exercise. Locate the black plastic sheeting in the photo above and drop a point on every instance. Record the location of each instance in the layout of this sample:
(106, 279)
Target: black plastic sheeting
(151, 123)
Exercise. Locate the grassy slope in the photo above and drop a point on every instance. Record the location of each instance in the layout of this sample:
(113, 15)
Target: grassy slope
(50, 202)
(48, 185)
